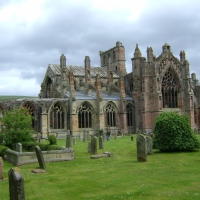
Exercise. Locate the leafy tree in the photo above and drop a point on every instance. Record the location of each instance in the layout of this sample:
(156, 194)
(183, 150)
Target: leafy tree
(172, 132)
(16, 126)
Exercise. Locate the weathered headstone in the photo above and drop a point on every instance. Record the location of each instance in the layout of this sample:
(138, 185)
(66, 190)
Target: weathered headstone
(40, 157)
(88, 135)
(74, 140)
(93, 149)
(68, 141)
(149, 145)
(89, 147)
(16, 184)
(101, 142)
(84, 136)
(19, 147)
(141, 148)
(131, 137)
(80, 138)
(1, 168)
(115, 135)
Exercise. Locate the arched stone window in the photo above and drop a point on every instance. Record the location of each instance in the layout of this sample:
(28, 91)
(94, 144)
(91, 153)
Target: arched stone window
(129, 115)
(114, 55)
(49, 88)
(85, 116)
(131, 85)
(169, 91)
(110, 115)
(57, 116)
(31, 109)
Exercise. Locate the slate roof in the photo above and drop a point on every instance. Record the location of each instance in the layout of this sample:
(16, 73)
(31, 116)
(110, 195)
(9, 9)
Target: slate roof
(80, 70)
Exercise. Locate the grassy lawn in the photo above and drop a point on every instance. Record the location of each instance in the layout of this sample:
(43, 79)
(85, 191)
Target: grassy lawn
(171, 176)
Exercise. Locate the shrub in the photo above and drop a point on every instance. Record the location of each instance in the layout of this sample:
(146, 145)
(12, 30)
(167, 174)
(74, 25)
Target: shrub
(3, 150)
(172, 132)
(30, 146)
(16, 126)
(52, 139)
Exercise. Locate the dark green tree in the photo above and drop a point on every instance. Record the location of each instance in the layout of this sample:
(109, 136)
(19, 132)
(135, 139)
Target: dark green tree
(172, 132)
(16, 126)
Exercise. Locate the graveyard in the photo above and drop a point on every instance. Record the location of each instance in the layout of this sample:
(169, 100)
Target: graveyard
(120, 176)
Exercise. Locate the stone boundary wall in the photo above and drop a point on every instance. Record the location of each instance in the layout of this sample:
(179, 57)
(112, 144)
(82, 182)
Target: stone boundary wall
(23, 158)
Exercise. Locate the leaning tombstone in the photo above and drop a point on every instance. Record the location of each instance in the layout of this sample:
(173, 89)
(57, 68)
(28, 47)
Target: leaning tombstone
(93, 149)
(141, 148)
(40, 157)
(19, 147)
(68, 141)
(101, 142)
(149, 145)
(16, 184)
(1, 169)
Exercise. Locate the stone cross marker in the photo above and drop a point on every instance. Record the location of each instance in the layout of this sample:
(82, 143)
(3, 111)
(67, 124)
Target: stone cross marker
(1, 168)
(93, 149)
(101, 142)
(19, 147)
(40, 157)
(16, 184)
(141, 148)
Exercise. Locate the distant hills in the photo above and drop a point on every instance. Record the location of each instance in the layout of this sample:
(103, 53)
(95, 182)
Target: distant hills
(5, 98)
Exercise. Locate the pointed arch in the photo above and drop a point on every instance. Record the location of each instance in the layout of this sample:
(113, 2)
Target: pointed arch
(32, 110)
(170, 86)
(57, 116)
(110, 114)
(85, 115)
(49, 84)
(130, 115)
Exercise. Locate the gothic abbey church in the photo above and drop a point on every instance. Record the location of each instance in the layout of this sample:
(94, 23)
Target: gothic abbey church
(79, 98)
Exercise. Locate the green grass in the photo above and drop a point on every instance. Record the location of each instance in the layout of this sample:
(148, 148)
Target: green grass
(171, 176)
(5, 98)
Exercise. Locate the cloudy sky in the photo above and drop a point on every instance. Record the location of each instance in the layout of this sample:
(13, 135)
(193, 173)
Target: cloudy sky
(34, 33)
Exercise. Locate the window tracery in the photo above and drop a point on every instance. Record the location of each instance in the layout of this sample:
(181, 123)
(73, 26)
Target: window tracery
(129, 115)
(84, 116)
(57, 117)
(31, 110)
(169, 91)
(110, 115)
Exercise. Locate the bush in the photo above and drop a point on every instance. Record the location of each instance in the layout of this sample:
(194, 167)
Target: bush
(52, 139)
(16, 126)
(3, 150)
(172, 132)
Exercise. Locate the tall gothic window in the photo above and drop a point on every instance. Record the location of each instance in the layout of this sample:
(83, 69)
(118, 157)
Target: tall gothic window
(57, 117)
(131, 85)
(30, 108)
(169, 91)
(84, 116)
(49, 88)
(110, 115)
(129, 115)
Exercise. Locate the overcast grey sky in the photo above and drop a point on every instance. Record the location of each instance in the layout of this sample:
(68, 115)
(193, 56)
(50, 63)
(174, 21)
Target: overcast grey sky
(34, 33)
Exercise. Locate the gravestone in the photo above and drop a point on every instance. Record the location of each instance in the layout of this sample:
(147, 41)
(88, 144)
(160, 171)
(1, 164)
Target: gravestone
(74, 140)
(80, 138)
(149, 145)
(131, 137)
(141, 148)
(16, 184)
(19, 147)
(84, 136)
(101, 142)
(68, 141)
(115, 135)
(88, 135)
(93, 149)
(89, 147)
(1, 168)
(40, 157)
